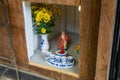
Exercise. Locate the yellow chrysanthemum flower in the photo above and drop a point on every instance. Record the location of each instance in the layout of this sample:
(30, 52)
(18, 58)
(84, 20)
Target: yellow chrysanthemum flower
(44, 9)
(43, 30)
(39, 16)
(46, 17)
(38, 23)
(34, 7)
(36, 12)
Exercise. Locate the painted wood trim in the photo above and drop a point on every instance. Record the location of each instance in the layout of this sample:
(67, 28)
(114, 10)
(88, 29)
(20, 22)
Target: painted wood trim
(62, 2)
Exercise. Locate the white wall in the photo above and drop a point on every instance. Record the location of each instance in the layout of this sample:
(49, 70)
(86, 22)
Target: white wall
(31, 38)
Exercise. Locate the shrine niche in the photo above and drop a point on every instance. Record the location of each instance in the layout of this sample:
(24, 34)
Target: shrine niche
(48, 50)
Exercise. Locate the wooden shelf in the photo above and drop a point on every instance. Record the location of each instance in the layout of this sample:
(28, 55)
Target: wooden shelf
(53, 69)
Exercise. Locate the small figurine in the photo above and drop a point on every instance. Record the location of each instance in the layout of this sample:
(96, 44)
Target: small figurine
(77, 48)
(63, 42)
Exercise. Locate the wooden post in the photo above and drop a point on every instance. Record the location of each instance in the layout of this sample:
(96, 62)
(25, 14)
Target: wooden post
(107, 20)
(89, 26)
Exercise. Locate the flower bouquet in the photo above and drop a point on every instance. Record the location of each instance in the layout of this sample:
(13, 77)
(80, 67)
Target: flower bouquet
(44, 16)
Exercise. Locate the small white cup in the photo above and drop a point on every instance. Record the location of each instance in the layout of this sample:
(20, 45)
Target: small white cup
(47, 55)
(69, 59)
(64, 59)
(58, 59)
